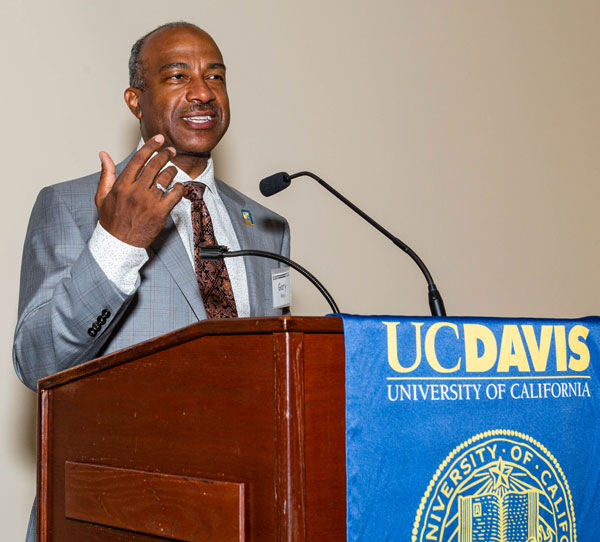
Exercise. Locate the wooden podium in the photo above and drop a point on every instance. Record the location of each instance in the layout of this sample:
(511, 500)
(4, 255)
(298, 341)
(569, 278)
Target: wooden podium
(221, 431)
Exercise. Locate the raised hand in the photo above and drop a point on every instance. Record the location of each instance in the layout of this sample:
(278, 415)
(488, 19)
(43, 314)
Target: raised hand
(131, 207)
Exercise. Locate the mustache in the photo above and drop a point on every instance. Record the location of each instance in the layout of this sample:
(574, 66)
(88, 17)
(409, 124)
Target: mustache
(202, 108)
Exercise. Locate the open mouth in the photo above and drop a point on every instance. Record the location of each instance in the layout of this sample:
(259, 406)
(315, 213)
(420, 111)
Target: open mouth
(198, 119)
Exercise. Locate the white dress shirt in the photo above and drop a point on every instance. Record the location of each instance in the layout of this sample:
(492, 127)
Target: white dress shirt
(122, 262)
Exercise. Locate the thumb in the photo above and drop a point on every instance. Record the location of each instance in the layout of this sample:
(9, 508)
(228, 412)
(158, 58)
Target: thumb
(107, 178)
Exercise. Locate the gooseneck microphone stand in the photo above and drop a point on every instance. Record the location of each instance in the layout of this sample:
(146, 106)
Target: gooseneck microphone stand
(217, 252)
(279, 181)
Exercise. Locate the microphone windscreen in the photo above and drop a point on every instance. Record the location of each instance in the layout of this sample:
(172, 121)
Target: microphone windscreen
(274, 183)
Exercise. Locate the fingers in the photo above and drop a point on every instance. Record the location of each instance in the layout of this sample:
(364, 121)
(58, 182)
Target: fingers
(173, 197)
(131, 207)
(139, 159)
(165, 178)
(107, 178)
(149, 176)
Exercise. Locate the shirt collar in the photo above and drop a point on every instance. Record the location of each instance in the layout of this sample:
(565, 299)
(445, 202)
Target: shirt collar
(207, 177)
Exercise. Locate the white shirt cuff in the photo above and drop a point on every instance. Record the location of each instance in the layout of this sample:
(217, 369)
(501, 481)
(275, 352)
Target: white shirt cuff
(120, 262)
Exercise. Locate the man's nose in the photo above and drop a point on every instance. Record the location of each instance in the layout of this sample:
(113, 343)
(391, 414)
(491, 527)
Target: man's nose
(198, 90)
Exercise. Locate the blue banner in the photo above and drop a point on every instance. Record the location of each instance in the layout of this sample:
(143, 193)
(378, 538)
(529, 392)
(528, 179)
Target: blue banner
(472, 429)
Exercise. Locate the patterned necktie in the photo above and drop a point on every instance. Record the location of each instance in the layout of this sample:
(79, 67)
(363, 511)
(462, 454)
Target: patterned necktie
(212, 276)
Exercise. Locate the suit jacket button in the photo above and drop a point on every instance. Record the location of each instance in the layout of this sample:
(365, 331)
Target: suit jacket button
(92, 332)
(106, 313)
(96, 326)
(101, 320)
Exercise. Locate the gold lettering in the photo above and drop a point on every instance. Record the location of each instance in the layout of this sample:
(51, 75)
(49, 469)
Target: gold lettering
(392, 347)
(475, 333)
(560, 344)
(579, 348)
(545, 475)
(512, 351)
(515, 453)
(455, 476)
(439, 507)
(430, 347)
(446, 490)
(539, 354)
(431, 533)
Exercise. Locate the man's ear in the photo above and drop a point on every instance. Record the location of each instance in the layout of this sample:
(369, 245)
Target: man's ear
(132, 96)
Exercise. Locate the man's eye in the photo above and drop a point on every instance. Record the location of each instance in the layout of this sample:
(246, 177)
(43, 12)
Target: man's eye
(216, 77)
(176, 76)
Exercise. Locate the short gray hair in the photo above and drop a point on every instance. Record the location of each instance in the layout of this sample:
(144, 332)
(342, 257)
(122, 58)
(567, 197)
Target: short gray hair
(136, 66)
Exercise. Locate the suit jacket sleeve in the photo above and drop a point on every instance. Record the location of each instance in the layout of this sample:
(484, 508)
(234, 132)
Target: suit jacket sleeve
(63, 292)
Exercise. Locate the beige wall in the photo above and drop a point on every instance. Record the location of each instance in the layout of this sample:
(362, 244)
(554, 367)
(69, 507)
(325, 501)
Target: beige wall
(470, 129)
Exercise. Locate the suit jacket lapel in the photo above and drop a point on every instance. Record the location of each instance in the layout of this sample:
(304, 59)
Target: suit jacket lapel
(248, 237)
(169, 248)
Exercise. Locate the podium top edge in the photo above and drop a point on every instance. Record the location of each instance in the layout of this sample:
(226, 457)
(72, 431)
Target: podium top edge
(236, 326)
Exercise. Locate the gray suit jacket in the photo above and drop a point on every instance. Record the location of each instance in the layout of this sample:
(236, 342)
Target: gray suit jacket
(63, 290)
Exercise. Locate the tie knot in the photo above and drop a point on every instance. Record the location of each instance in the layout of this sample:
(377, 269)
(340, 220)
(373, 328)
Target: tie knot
(193, 190)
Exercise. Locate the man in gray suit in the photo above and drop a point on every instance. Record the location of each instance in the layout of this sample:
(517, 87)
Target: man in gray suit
(108, 259)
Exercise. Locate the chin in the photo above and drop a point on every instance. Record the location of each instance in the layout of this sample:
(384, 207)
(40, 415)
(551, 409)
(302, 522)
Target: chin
(195, 145)
(191, 145)
(193, 150)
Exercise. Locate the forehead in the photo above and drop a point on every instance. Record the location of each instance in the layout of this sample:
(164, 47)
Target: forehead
(178, 45)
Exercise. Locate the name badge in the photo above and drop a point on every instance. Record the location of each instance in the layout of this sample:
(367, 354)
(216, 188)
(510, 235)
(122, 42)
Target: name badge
(282, 287)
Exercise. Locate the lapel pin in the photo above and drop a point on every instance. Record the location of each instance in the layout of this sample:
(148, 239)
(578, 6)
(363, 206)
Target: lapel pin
(247, 216)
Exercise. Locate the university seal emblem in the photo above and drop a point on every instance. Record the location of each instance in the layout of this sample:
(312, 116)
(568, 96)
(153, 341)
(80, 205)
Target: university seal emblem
(498, 486)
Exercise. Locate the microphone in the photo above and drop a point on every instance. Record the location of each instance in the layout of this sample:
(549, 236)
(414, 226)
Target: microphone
(279, 181)
(216, 252)
(274, 183)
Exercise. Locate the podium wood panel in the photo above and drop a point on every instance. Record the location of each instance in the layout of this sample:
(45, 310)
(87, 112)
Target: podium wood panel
(173, 507)
(252, 403)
